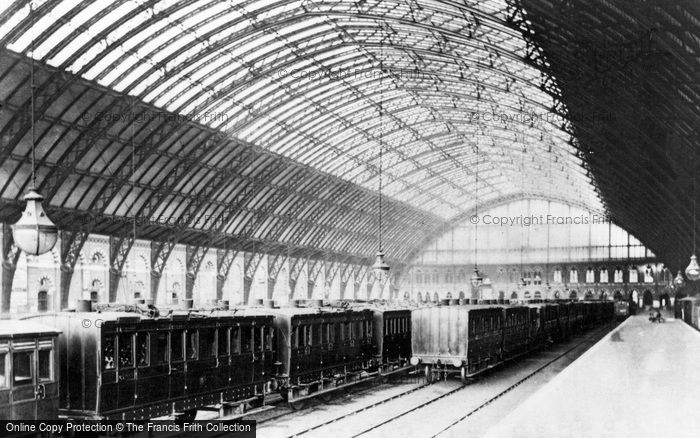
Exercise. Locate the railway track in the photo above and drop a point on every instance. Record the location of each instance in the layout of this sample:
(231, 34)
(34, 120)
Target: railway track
(282, 410)
(587, 338)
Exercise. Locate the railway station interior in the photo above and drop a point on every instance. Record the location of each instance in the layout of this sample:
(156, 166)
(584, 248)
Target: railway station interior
(244, 174)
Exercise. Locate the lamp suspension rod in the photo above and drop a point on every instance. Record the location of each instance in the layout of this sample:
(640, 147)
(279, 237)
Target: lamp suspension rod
(31, 86)
(381, 136)
(476, 208)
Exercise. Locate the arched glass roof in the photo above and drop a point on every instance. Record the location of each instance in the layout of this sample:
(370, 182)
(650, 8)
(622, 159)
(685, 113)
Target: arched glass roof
(442, 85)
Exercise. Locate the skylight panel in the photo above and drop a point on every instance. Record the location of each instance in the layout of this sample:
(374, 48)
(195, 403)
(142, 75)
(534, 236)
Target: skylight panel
(40, 25)
(15, 19)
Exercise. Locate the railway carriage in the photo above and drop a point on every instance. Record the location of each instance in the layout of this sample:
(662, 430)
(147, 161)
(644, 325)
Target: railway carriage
(322, 349)
(29, 372)
(120, 365)
(544, 324)
(392, 335)
(689, 307)
(516, 331)
(462, 339)
(564, 320)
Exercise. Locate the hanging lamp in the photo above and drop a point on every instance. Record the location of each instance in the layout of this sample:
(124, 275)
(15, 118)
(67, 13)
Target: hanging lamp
(522, 283)
(34, 232)
(693, 269)
(380, 267)
(476, 278)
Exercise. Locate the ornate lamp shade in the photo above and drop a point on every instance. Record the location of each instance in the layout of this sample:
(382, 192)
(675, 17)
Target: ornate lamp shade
(693, 269)
(679, 280)
(34, 233)
(380, 267)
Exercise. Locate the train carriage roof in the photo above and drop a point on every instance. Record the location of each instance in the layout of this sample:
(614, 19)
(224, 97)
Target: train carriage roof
(14, 328)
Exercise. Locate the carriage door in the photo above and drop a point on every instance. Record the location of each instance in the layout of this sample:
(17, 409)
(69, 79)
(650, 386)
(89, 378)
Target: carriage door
(24, 389)
(46, 381)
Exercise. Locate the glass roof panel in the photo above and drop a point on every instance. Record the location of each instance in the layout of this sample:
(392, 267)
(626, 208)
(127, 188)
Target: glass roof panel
(453, 78)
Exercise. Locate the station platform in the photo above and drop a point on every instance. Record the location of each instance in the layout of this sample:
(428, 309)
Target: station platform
(641, 380)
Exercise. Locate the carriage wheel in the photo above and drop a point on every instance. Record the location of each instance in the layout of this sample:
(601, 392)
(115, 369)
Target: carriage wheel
(463, 375)
(297, 405)
(326, 397)
(428, 374)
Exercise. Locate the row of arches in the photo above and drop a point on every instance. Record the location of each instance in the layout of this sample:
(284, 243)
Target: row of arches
(617, 295)
(534, 276)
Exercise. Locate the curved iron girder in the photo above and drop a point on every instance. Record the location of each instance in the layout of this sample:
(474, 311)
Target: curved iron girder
(71, 244)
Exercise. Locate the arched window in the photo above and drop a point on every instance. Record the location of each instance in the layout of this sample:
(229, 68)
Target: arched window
(617, 277)
(648, 274)
(590, 275)
(573, 275)
(604, 275)
(448, 277)
(538, 295)
(573, 295)
(557, 275)
(538, 278)
(461, 295)
(449, 295)
(634, 275)
(588, 295)
(514, 296)
(557, 295)
(617, 296)
(527, 295)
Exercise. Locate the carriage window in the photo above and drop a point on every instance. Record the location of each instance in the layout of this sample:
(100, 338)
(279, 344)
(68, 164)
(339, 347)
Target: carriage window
(316, 329)
(207, 343)
(369, 329)
(331, 333)
(246, 339)
(191, 344)
(3, 370)
(126, 350)
(236, 340)
(295, 337)
(386, 327)
(222, 341)
(269, 336)
(257, 341)
(142, 349)
(45, 368)
(309, 334)
(176, 351)
(108, 353)
(22, 368)
(324, 333)
(159, 348)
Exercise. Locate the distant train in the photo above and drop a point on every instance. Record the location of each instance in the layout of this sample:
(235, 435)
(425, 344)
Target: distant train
(622, 310)
(468, 340)
(688, 309)
(146, 363)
